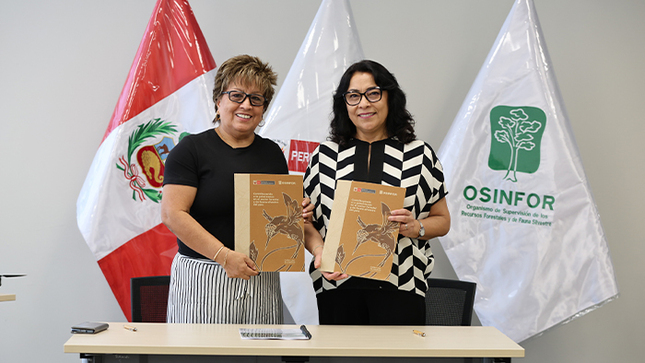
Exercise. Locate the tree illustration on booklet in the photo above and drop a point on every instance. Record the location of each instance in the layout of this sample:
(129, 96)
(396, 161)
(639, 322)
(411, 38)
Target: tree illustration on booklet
(516, 138)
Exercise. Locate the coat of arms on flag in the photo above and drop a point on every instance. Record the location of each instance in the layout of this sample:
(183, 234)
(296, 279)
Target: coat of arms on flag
(146, 177)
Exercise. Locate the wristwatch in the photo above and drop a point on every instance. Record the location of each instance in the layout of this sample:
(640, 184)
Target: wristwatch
(422, 230)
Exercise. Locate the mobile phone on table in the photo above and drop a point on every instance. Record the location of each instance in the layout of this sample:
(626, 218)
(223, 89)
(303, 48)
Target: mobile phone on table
(89, 327)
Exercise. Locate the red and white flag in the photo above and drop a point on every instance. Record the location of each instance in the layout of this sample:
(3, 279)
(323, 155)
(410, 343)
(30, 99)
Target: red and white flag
(525, 227)
(167, 94)
(299, 119)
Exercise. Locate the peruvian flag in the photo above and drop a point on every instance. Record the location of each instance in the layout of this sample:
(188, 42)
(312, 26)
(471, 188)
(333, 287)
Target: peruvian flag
(167, 94)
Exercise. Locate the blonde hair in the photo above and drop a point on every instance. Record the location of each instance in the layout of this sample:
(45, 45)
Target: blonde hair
(248, 71)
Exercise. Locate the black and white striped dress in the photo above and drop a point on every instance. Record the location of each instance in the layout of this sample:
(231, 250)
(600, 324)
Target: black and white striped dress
(201, 293)
(413, 166)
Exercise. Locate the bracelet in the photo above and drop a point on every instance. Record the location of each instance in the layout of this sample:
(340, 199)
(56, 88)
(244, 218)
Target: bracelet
(315, 248)
(218, 251)
(226, 257)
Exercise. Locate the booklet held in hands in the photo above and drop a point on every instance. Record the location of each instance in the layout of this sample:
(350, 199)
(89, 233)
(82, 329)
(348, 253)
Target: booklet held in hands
(268, 221)
(360, 240)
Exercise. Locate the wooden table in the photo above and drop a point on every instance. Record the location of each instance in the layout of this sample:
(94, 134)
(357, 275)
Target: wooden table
(204, 342)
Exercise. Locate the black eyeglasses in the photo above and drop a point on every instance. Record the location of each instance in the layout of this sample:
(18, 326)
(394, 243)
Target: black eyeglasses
(372, 94)
(239, 97)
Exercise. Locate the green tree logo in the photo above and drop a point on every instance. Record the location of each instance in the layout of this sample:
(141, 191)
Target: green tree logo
(516, 135)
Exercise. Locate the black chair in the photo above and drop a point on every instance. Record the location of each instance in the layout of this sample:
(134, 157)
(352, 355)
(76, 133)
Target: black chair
(149, 298)
(450, 302)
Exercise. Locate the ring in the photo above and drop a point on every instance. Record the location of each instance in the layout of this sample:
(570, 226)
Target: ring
(406, 226)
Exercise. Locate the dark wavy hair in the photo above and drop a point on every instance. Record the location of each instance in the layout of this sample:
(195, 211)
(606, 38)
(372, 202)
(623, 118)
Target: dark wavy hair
(399, 122)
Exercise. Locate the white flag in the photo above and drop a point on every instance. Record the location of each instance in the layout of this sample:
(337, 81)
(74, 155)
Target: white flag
(299, 118)
(524, 224)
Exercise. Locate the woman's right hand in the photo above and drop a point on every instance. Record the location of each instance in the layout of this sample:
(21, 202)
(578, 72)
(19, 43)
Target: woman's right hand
(238, 265)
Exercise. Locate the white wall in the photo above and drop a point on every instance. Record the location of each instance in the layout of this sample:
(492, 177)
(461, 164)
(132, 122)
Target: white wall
(63, 64)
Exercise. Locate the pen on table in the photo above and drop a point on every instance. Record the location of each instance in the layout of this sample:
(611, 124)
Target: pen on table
(419, 333)
(130, 328)
(306, 332)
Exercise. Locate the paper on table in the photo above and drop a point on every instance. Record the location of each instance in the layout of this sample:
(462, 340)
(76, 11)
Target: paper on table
(278, 334)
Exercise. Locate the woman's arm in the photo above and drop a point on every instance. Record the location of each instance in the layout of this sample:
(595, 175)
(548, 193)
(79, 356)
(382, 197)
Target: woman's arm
(437, 223)
(175, 208)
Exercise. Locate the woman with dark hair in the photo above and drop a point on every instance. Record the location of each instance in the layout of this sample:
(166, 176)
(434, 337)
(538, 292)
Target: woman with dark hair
(210, 282)
(399, 121)
(372, 140)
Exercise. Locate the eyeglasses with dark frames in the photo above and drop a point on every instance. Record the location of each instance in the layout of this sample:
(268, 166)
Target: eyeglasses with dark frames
(239, 97)
(372, 94)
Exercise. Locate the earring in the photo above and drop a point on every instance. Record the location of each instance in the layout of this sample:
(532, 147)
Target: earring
(262, 123)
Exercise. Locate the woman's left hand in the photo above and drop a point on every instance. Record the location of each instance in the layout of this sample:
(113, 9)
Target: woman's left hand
(409, 226)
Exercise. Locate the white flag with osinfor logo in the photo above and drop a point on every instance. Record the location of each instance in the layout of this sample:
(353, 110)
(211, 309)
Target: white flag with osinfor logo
(524, 227)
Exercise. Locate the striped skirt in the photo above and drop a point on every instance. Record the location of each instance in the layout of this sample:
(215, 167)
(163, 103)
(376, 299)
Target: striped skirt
(200, 292)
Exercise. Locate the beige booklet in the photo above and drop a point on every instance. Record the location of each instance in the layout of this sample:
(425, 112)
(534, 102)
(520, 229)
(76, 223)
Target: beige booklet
(360, 241)
(268, 220)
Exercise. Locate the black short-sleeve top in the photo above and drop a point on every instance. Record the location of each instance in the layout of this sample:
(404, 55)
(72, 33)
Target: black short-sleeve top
(207, 163)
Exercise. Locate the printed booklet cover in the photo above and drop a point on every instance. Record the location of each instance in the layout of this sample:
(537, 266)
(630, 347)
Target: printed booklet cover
(360, 240)
(268, 220)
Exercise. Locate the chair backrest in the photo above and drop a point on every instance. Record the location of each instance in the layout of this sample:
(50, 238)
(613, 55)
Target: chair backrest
(149, 298)
(449, 302)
